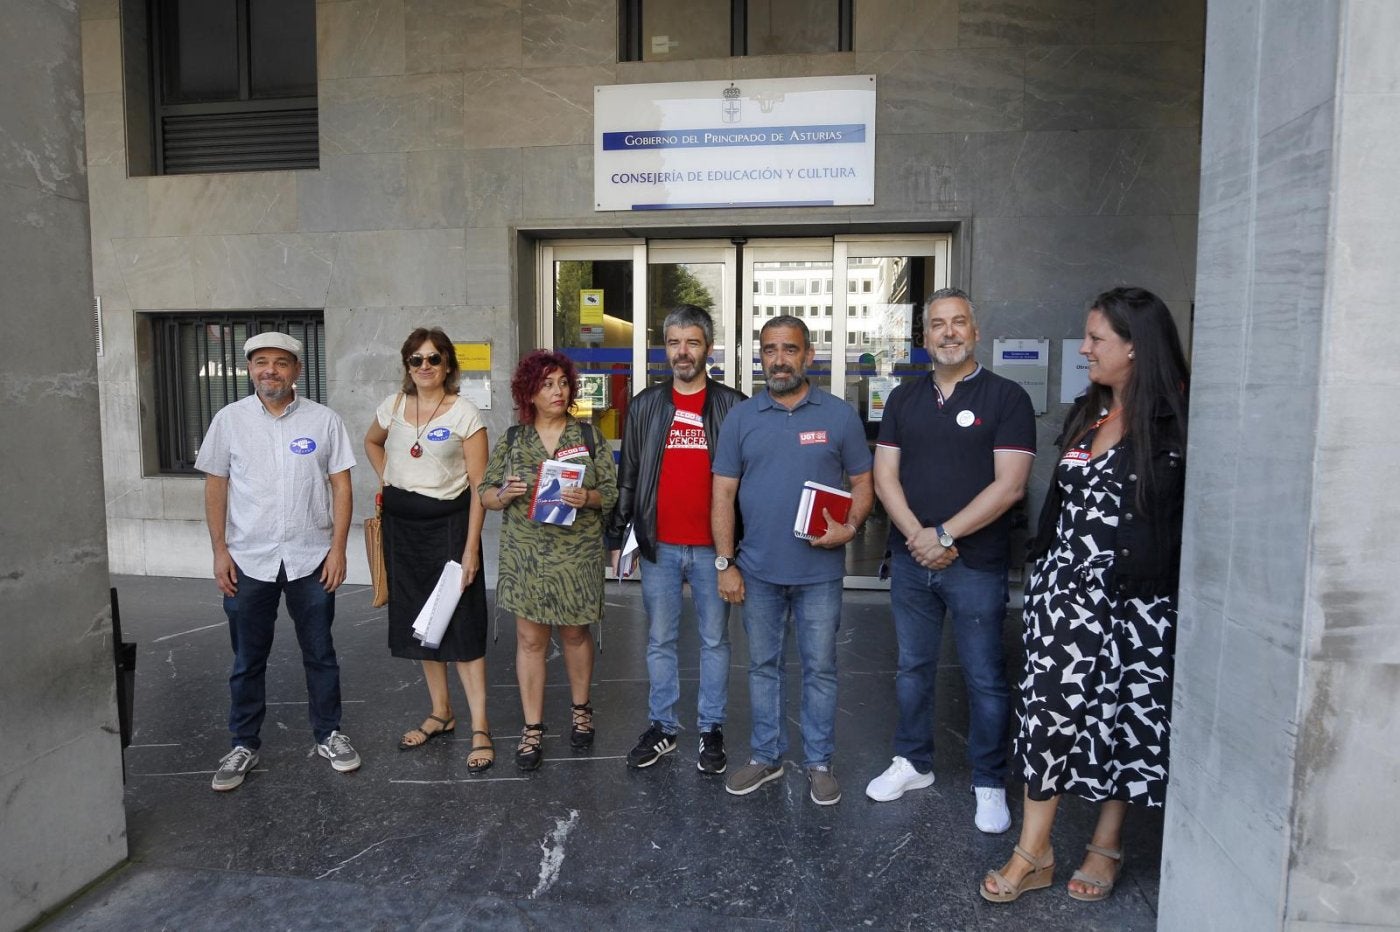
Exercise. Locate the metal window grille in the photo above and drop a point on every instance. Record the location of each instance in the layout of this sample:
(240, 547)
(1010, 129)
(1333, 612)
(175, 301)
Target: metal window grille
(199, 368)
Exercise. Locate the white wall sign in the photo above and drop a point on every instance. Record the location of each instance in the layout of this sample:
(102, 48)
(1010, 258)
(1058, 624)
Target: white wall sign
(1027, 363)
(777, 142)
(1074, 371)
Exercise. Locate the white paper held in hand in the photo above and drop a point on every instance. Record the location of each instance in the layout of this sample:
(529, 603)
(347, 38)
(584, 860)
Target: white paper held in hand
(442, 602)
(627, 557)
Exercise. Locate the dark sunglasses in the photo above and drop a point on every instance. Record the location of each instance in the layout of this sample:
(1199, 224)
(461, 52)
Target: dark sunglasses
(417, 359)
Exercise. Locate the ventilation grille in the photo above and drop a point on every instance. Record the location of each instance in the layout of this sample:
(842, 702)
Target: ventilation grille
(268, 140)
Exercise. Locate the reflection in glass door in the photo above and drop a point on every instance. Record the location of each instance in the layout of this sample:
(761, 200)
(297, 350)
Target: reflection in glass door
(591, 297)
(689, 272)
(860, 298)
(793, 278)
(886, 283)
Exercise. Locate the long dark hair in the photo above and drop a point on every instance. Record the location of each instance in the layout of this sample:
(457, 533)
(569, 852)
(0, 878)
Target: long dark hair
(1157, 383)
(443, 345)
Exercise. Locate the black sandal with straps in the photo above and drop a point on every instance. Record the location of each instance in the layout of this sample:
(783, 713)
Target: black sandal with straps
(581, 735)
(529, 755)
(476, 761)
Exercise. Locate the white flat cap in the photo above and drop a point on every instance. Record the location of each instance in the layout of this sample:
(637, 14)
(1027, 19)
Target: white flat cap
(272, 340)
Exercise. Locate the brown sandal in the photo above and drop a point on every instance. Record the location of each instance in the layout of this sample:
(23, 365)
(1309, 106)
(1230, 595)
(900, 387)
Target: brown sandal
(477, 764)
(1041, 876)
(449, 725)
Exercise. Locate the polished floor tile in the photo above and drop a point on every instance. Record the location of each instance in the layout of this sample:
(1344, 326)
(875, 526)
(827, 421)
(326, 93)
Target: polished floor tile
(411, 841)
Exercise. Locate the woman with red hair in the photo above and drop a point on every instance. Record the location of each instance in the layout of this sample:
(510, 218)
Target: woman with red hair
(551, 575)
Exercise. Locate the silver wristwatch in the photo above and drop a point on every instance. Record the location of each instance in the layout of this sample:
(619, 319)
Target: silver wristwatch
(723, 563)
(945, 540)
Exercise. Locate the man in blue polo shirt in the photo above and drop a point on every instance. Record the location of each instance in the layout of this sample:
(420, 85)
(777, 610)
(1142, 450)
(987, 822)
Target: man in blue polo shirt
(768, 447)
(954, 452)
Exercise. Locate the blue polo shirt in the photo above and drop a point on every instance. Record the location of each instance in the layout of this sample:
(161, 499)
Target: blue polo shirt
(772, 451)
(947, 453)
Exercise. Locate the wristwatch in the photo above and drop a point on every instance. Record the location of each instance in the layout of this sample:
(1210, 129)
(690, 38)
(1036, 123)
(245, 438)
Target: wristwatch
(945, 540)
(723, 563)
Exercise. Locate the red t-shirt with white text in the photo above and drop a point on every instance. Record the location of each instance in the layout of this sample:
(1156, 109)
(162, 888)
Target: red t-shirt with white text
(683, 492)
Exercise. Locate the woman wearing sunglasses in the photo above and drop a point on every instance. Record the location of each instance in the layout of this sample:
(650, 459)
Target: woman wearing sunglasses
(428, 445)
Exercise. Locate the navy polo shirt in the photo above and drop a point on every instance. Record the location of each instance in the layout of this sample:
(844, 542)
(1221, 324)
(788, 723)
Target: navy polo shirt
(772, 451)
(946, 453)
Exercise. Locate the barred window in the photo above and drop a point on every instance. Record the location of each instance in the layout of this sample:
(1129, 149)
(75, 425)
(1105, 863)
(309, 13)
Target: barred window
(197, 367)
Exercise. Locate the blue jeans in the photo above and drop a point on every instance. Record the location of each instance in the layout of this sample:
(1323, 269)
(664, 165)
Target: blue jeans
(976, 599)
(252, 617)
(677, 564)
(815, 609)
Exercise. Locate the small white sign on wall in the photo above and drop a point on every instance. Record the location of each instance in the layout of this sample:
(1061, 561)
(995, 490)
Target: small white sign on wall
(1074, 372)
(1027, 363)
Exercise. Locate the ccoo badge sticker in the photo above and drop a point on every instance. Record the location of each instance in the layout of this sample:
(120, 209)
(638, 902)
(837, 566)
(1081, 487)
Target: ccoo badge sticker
(966, 418)
(439, 433)
(302, 446)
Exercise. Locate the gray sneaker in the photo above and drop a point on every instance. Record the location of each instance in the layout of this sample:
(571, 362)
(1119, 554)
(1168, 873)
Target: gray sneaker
(750, 777)
(825, 790)
(338, 750)
(233, 767)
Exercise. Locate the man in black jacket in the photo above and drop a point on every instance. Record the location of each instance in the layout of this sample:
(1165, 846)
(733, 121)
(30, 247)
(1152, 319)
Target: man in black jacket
(668, 443)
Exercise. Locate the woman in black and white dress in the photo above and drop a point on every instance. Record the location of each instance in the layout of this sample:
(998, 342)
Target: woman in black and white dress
(1094, 708)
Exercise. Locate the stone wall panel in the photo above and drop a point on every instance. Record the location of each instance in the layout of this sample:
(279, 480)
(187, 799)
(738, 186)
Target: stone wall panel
(391, 114)
(449, 35)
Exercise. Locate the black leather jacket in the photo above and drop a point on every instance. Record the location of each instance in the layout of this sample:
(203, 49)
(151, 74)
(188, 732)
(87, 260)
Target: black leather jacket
(1147, 551)
(649, 418)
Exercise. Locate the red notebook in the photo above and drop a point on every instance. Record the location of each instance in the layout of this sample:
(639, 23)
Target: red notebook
(810, 523)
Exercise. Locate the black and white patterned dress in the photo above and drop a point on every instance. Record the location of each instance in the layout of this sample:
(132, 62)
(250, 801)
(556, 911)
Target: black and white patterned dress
(1095, 703)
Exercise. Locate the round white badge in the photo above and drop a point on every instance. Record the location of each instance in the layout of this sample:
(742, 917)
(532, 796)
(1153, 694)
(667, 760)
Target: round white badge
(965, 418)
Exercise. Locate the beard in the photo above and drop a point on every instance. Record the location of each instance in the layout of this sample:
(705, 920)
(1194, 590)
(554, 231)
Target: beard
(274, 389)
(783, 380)
(686, 368)
(953, 355)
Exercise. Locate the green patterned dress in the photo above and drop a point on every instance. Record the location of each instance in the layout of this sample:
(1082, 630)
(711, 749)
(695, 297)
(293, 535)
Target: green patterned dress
(551, 574)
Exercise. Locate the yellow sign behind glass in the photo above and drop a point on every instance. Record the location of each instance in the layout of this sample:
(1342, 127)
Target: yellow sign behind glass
(590, 306)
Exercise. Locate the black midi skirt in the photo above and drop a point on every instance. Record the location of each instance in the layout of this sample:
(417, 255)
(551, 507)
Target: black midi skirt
(420, 535)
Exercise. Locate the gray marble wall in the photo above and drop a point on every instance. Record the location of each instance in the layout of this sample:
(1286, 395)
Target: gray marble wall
(61, 818)
(1058, 136)
(1281, 810)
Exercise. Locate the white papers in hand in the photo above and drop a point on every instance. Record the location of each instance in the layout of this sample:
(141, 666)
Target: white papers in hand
(437, 611)
(627, 558)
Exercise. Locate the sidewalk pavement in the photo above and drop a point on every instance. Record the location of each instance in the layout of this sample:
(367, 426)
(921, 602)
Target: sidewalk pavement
(410, 841)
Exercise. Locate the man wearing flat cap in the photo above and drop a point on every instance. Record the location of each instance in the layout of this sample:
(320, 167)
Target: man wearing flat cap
(277, 500)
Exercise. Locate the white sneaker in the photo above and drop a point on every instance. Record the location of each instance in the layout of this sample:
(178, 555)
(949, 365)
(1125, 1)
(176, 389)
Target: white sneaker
(892, 783)
(992, 815)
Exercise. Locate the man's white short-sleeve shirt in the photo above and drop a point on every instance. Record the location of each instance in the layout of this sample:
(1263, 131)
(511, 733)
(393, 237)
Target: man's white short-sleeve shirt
(278, 471)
